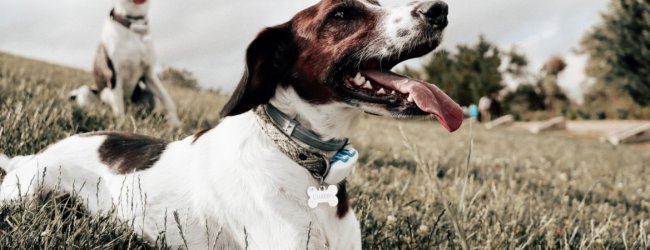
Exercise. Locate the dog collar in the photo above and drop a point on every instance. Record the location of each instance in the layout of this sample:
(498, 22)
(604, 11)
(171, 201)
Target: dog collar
(128, 22)
(135, 17)
(293, 129)
(283, 131)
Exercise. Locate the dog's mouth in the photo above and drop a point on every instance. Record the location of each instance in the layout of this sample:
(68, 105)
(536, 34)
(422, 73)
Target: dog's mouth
(373, 82)
(139, 1)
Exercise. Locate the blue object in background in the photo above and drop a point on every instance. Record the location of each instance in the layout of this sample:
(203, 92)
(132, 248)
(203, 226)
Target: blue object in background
(473, 111)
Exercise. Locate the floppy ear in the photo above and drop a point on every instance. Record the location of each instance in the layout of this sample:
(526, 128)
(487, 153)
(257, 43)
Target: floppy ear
(269, 59)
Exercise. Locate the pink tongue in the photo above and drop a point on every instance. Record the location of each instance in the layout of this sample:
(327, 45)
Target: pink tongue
(139, 1)
(428, 97)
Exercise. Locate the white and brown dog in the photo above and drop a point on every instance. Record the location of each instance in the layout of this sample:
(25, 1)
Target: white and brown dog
(124, 63)
(251, 181)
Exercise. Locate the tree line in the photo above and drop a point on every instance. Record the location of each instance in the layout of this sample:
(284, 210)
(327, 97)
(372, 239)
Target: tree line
(618, 48)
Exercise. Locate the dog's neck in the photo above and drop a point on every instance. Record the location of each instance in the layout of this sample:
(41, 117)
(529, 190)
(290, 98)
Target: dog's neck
(330, 121)
(131, 20)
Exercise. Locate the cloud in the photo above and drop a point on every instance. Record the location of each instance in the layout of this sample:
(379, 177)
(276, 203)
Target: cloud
(209, 37)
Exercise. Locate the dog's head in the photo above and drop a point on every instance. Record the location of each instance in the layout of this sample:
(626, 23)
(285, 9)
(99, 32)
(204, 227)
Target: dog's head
(342, 51)
(133, 7)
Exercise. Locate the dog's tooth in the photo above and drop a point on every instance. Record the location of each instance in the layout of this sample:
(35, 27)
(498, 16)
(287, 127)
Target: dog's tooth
(381, 91)
(359, 79)
(410, 98)
(368, 85)
(393, 92)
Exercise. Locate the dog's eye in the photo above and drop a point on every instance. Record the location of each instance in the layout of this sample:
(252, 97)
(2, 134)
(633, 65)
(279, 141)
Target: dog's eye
(344, 14)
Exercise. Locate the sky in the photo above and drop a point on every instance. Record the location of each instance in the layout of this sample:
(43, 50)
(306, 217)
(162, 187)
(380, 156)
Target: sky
(209, 37)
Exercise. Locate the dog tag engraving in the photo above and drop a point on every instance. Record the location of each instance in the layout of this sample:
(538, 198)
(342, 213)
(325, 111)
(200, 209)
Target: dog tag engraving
(322, 195)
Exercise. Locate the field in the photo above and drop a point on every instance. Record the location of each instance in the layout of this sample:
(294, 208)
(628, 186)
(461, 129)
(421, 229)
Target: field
(417, 187)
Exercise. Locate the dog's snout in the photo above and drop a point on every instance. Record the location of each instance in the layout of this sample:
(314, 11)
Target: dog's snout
(435, 12)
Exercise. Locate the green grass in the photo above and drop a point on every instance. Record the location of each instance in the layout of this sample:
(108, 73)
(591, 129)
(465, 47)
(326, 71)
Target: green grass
(412, 190)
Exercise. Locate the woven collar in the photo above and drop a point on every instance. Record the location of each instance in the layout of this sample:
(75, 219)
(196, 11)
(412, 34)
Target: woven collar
(129, 22)
(312, 158)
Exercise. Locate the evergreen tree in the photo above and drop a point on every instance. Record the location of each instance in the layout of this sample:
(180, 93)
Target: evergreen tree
(619, 49)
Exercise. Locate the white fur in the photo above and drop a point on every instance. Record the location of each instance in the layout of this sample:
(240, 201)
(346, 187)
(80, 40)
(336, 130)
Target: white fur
(232, 182)
(4, 162)
(233, 178)
(133, 56)
(333, 120)
(393, 21)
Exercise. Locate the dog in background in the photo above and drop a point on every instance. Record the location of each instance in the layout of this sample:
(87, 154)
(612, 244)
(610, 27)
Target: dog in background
(249, 182)
(124, 63)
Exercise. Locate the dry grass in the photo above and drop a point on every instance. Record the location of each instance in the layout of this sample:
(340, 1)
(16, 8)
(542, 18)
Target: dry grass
(414, 188)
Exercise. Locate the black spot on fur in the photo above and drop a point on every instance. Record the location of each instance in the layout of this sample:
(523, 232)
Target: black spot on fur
(127, 153)
(269, 60)
(343, 207)
(402, 32)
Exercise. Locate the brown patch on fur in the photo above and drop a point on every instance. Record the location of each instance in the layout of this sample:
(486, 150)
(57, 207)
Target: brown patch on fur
(343, 207)
(200, 133)
(323, 41)
(127, 153)
(103, 70)
(305, 53)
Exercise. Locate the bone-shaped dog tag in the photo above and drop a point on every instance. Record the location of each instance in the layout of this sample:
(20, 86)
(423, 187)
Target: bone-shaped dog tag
(322, 195)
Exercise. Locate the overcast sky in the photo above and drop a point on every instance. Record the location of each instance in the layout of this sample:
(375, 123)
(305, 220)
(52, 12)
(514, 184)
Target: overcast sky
(208, 37)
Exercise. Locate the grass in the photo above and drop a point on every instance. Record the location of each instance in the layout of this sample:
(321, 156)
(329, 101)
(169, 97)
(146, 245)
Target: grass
(415, 187)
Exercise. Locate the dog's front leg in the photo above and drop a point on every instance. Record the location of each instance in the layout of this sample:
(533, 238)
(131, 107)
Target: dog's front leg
(156, 87)
(115, 98)
(25, 178)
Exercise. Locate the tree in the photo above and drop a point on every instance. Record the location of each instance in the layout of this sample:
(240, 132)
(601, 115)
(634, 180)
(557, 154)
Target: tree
(179, 77)
(467, 75)
(619, 49)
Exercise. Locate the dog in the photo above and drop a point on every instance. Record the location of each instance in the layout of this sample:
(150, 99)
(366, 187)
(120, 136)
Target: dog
(124, 63)
(281, 147)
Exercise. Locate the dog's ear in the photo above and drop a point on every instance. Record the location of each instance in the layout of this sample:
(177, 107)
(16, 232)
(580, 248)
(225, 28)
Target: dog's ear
(269, 59)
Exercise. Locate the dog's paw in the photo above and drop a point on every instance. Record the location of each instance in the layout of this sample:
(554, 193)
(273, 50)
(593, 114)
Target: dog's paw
(83, 96)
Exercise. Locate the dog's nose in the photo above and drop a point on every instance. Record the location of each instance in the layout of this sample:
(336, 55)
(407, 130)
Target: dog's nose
(435, 12)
